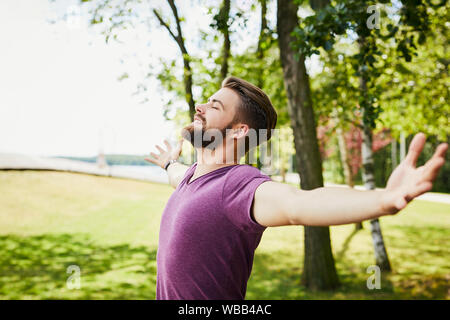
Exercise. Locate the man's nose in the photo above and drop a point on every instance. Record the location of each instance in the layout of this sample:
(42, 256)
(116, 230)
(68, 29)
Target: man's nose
(200, 108)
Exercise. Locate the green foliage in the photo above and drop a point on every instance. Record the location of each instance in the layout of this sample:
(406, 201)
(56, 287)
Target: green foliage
(335, 89)
(404, 65)
(349, 18)
(113, 16)
(170, 76)
(248, 67)
(418, 92)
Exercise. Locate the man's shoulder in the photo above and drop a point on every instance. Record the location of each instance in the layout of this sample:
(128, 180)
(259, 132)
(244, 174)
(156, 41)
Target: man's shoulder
(247, 171)
(245, 168)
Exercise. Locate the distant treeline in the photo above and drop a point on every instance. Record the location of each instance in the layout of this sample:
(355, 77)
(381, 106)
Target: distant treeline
(116, 159)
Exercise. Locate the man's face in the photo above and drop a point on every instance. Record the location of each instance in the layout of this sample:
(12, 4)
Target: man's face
(212, 118)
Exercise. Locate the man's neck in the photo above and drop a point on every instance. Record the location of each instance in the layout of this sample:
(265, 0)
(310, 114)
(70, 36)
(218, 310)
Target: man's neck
(208, 160)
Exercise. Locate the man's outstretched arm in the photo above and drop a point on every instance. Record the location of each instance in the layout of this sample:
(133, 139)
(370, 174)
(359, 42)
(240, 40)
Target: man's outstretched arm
(176, 170)
(277, 204)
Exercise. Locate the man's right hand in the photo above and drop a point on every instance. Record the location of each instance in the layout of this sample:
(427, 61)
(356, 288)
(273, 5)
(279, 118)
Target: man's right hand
(165, 155)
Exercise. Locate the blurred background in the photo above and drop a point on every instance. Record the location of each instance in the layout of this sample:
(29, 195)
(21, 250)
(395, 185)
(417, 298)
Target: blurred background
(88, 88)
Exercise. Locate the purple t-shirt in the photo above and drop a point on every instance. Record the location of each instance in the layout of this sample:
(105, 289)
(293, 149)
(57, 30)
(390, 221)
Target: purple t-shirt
(207, 237)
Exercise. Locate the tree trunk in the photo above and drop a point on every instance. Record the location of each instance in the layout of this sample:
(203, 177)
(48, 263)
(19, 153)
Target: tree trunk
(381, 257)
(319, 270)
(260, 58)
(224, 29)
(402, 146)
(187, 78)
(394, 154)
(262, 37)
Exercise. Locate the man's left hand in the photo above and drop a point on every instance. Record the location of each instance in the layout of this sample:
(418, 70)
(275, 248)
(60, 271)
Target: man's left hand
(408, 182)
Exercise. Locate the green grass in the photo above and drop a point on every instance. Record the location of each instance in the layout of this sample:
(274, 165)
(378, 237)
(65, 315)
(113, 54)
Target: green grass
(109, 227)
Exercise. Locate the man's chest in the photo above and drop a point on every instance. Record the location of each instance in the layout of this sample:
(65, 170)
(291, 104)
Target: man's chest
(193, 212)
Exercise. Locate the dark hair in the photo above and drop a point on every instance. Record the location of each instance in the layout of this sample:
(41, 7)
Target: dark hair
(255, 110)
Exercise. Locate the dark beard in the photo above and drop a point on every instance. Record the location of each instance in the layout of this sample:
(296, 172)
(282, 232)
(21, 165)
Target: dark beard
(205, 138)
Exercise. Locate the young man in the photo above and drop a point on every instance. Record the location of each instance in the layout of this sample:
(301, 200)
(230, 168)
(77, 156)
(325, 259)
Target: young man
(214, 220)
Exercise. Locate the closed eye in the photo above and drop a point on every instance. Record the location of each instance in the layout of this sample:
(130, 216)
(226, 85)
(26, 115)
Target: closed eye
(214, 103)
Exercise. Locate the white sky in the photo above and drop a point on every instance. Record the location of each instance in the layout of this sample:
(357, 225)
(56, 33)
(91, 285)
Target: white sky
(59, 93)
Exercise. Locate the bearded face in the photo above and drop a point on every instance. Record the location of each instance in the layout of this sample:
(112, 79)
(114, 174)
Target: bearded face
(212, 120)
(202, 136)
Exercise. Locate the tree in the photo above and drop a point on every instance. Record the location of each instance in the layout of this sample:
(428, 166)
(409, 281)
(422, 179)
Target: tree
(319, 270)
(187, 71)
(265, 41)
(349, 17)
(332, 20)
(381, 256)
(221, 24)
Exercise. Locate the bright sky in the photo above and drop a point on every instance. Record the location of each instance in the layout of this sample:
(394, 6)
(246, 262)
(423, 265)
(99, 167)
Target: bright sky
(59, 93)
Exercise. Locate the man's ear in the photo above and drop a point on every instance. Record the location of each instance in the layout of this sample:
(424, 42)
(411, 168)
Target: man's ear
(240, 131)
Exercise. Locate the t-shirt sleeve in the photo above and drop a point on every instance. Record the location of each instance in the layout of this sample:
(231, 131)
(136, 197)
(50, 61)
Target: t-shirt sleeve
(238, 194)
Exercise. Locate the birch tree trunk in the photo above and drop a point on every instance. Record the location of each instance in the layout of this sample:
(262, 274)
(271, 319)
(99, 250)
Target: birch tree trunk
(402, 146)
(394, 154)
(381, 257)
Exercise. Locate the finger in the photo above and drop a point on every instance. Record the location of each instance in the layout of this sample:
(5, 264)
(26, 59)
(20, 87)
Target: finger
(420, 189)
(440, 151)
(154, 155)
(433, 165)
(431, 169)
(152, 160)
(415, 148)
(149, 160)
(169, 147)
(161, 150)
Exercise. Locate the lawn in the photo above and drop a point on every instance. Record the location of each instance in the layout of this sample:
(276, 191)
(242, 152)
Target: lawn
(109, 228)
